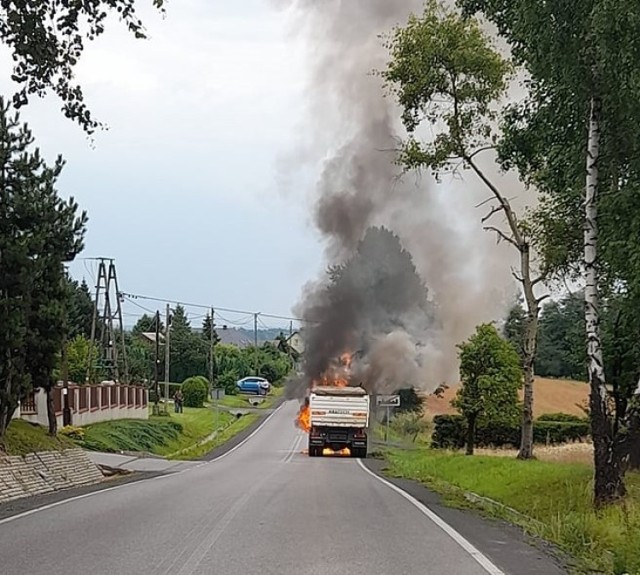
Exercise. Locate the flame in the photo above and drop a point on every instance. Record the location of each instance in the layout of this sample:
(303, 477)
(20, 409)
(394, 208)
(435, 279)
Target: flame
(303, 421)
(344, 452)
(338, 374)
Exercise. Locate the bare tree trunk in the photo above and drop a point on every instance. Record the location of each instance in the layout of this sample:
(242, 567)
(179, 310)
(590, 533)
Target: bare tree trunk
(529, 348)
(609, 473)
(519, 240)
(471, 434)
(51, 412)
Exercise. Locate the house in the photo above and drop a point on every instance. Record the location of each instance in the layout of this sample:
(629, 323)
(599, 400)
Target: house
(236, 337)
(296, 342)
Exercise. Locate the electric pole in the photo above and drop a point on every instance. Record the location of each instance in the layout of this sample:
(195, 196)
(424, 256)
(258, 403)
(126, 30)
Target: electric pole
(212, 342)
(109, 338)
(212, 360)
(255, 340)
(167, 338)
(156, 372)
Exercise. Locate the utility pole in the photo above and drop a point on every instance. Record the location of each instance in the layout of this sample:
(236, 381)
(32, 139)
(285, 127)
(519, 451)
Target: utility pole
(167, 338)
(212, 360)
(255, 341)
(66, 408)
(212, 345)
(156, 371)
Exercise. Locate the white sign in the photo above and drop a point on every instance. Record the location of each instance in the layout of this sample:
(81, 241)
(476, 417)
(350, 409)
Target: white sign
(388, 400)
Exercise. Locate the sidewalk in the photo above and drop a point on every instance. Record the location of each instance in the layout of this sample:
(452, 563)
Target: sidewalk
(137, 463)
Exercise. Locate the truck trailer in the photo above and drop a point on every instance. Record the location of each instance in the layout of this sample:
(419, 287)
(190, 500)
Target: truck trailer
(339, 419)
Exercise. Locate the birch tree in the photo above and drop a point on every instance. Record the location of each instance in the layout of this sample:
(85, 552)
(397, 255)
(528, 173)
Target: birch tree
(577, 137)
(446, 73)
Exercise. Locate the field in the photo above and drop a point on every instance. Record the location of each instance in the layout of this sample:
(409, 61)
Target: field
(549, 395)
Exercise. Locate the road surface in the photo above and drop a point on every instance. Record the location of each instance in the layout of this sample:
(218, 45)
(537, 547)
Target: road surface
(264, 508)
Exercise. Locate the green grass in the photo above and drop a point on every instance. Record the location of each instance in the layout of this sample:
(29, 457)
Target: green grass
(160, 435)
(556, 497)
(23, 437)
(225, 435)
(242, 401)
(179, 436)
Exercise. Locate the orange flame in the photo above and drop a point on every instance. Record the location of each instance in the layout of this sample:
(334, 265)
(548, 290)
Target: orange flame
(303, 421)
(338, 374)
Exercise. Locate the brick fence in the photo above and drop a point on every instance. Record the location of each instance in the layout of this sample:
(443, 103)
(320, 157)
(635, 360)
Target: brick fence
(88, 403)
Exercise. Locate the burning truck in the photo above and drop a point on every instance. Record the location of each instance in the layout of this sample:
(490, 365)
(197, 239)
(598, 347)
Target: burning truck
(336, 415)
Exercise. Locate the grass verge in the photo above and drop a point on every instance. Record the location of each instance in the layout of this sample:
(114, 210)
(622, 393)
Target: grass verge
(553, 498)
(160, 435)
(23, 437)
(238, 425)
(242, 401)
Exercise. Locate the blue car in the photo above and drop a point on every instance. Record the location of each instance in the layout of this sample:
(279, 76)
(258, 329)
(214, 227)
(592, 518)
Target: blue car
(252, 384)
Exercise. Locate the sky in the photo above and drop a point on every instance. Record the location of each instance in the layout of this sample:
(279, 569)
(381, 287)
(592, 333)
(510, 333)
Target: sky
(185, 189)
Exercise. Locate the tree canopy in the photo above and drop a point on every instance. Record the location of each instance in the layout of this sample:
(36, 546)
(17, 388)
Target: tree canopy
(46, 39)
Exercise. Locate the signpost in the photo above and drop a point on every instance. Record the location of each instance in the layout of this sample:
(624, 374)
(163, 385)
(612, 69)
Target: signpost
(387, 401)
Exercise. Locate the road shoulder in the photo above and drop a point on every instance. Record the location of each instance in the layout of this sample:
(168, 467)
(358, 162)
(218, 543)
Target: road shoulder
(504, 544)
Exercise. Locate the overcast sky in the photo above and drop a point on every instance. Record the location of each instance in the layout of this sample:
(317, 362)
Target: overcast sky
(183, 190)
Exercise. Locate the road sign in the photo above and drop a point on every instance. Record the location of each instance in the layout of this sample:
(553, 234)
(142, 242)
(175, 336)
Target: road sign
(388, 400)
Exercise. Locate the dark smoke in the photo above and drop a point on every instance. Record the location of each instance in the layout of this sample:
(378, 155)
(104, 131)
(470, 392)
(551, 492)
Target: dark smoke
(377, 304)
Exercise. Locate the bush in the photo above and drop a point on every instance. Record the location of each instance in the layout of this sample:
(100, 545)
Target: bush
(564, 417)
(195, 391)
(450, 432)
(409, 424)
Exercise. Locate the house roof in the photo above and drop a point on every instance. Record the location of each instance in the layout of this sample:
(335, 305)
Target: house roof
(234, 337)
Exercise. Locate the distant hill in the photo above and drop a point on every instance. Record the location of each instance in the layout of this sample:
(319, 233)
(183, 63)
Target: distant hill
(549, 396)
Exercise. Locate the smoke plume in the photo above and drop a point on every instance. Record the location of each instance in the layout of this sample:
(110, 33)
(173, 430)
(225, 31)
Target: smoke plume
(401, 334)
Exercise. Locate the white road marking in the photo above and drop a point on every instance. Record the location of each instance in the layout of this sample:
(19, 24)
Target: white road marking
(99, 491)
(482, 559)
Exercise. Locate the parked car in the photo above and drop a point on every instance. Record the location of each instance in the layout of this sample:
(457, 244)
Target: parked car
(253, 384)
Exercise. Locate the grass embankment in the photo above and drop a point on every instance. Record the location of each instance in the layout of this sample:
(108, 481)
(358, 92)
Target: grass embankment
(554, 498)
(23, 437)
(178, 436)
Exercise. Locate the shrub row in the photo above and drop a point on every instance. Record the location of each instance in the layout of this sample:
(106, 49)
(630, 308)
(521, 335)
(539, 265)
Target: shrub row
(450, 432)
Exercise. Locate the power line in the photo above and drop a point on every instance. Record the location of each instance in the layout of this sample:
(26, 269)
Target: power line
(225, 309)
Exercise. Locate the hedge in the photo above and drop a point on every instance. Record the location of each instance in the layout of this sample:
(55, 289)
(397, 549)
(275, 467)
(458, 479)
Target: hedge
(451, 431)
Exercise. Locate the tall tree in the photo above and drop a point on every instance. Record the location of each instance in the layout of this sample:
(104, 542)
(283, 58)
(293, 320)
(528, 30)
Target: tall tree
(445, 72)
(79, 309)
(582, 116)
(188, 350)
(490, 375)
(46, 39)
(39, 231)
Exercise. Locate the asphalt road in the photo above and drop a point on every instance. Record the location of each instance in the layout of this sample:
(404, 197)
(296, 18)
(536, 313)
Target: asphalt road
(263, 508)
